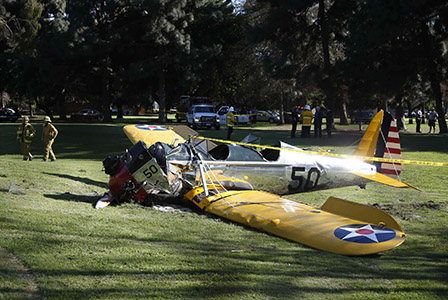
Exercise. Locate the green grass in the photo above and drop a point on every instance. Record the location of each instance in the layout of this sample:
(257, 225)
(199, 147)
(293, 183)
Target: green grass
(54, 245)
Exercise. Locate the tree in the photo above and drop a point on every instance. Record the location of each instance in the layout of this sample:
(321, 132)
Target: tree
(19, 24)
(404, 45)
(302, 39)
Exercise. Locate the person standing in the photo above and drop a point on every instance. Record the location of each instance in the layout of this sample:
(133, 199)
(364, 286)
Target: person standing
(432, 120)
(230, 120)
(418, 120)
(329, 119)
(318, 122)
(25, 133)
(294, 120)
(253, 115)
(307, 120)
(49, 133)
(359, 119)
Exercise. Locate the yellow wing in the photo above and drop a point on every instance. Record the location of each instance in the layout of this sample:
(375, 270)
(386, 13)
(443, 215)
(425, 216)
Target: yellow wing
(339, 226)
(151, 134)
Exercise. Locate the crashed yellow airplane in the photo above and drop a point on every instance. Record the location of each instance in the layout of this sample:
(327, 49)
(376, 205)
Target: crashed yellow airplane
(241, 183)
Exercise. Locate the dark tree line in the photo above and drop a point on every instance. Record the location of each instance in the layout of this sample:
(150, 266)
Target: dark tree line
(265, 53)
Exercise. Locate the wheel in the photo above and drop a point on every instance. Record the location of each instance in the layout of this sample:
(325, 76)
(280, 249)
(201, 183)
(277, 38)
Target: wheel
(217, 126)
(195, 126)
(100, 118)
(271, 120)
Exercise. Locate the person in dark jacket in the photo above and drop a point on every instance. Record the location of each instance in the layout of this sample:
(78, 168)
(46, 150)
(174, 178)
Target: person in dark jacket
(329, 119)
(294, 120)
(318, 116)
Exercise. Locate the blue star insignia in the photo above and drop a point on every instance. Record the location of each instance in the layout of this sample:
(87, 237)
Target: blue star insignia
(364, 233)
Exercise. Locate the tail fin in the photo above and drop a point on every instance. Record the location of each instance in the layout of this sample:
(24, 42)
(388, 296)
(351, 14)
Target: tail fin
(381, 139)
(368, 142)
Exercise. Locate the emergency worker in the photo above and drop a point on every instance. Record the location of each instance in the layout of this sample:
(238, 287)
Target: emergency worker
(24, 135)
(418, 120)
(294, 120)
(230, 120)
(318, 116)
(307, 120)
(432, 116)
(49, 133)
(330, 120)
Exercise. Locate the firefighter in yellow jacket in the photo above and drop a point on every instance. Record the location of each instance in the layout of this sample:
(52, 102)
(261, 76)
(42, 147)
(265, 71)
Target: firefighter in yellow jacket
(49, 133)
(24, 135)
(307, 119)
(230, 120)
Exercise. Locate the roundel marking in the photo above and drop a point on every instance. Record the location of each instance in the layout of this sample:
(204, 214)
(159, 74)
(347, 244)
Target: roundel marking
(364, 233)
(151, 127)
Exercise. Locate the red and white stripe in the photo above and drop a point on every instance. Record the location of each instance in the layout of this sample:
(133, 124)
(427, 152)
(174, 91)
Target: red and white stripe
(392, 151)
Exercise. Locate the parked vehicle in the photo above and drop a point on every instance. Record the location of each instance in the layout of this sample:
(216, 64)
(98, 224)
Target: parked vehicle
(186, 102)
(222, 112)
(87, 114)
(202, 115)
(364, 115)
(126, 112)
(8, 115)
(268, 116)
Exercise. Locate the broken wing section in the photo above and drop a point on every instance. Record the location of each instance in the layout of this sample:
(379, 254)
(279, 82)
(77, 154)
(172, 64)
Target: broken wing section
(361, 231)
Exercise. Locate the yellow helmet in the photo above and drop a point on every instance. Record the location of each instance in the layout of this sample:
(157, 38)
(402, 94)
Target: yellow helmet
(25, 119)
(47, 119)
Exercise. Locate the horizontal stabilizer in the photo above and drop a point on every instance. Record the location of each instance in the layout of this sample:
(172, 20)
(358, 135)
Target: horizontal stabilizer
(361, 212)
(187, 133)
(381, 178)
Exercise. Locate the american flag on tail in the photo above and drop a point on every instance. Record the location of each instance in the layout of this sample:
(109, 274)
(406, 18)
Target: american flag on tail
(388, 146)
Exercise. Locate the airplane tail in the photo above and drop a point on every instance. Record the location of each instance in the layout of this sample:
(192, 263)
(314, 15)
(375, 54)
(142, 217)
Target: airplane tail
(381, 139)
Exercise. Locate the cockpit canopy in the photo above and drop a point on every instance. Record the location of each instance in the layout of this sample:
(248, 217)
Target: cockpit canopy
(235, 153)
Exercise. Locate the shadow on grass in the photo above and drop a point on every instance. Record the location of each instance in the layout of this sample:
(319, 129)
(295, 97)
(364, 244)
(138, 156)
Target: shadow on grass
(85, 180)
(173, 264)
(299, 272)
(92, 199)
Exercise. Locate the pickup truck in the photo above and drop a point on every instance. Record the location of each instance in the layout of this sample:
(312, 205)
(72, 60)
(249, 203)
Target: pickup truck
(202, 115)
(222, 112)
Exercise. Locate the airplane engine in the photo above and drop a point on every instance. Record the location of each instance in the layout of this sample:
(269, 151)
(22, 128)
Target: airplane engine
(140, 173)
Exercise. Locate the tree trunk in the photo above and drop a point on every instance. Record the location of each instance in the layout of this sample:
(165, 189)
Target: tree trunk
(162, 95)
(60, 102)
(399, 111)
(343, 120)
(328, 80)
(282, 113)
(410, 109)
(435, 76)
(119, 111)
(436, 91)
(104, 106)
(31, 108)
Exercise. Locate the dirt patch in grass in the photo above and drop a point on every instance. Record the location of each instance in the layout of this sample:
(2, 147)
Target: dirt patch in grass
(16, 280)
(408, 211)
